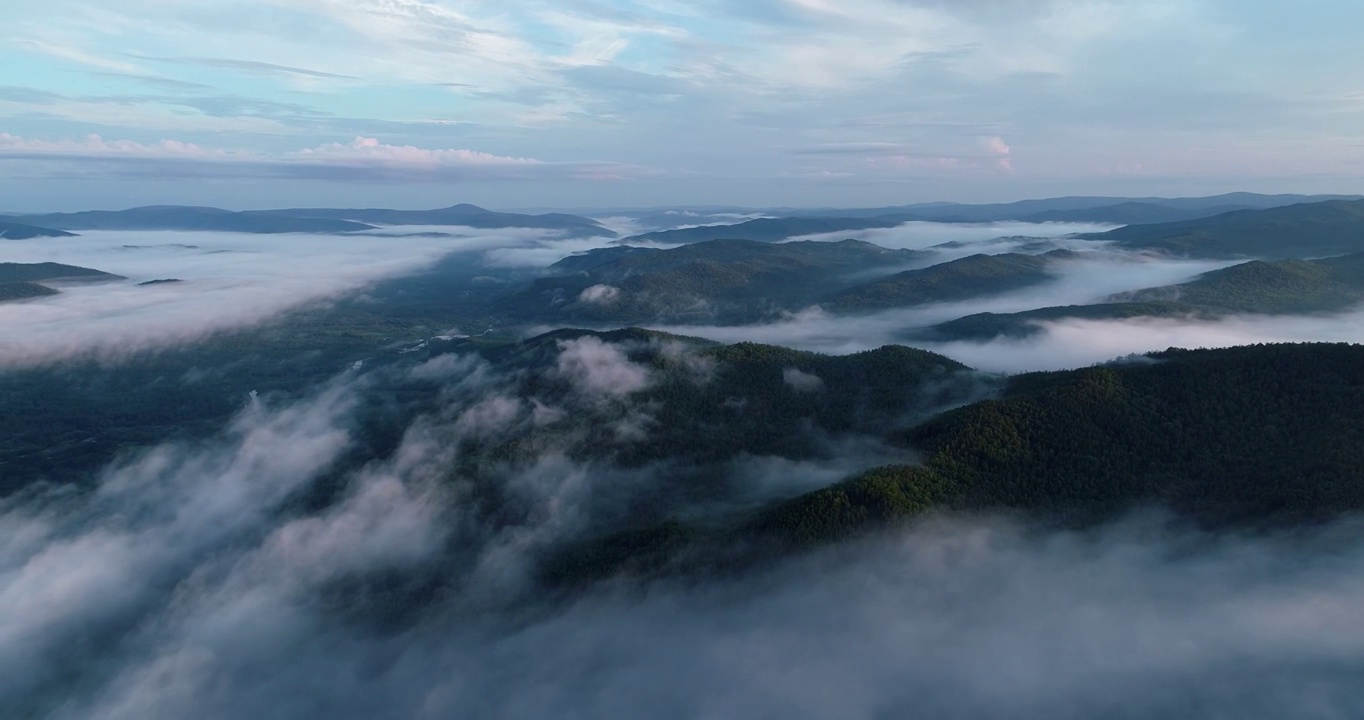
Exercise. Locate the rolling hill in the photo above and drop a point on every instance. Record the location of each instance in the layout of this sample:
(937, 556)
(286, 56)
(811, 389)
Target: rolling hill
(718, 280)
(1269, 435)
(20, 231)
(43, 272)
(23, 291)
(1302, 231)
(969, 277)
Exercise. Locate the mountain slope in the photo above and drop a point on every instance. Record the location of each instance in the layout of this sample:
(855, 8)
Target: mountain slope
(1258, 436)
(39, 272)
(719, 280)
(23, 291)
(20, 231)
(1251, 435)
(962, 279)
(1294, 231)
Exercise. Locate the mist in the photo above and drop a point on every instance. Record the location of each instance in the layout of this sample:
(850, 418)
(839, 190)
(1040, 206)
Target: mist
(1079, 343)
(1091, 278)
(228, 281)
(929, 235)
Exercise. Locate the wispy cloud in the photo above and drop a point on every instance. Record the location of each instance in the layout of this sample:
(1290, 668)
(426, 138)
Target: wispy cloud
(364, 158)
(250, 66)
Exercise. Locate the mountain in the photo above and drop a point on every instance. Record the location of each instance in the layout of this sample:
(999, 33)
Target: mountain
(20, 231)
(43, 272)
(1251, 435)
(709, 403)
(176, 217)
(1279, 287)
(768, 229)
(962, 279)
(462, 215)
(1295, 231)
(717, 280)
(1268, 435)
(23, 291)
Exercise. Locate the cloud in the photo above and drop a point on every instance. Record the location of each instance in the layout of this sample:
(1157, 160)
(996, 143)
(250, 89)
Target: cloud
(363, 159)
(230, 281)
(599, 295)
(1080, 343)
(802, 382)
(600, 369)
(250, 66)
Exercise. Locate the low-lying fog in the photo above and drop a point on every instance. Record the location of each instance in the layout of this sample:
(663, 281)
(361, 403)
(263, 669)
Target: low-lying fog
(230, 280)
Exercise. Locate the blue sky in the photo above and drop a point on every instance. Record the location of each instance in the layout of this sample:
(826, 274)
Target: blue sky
(576, 103)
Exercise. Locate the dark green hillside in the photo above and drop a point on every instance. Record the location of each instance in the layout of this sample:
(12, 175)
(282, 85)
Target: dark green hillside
(1256, 436)
(769, 229)
(1279, 287)
(962, 279)
(1295, 231)
(709, 402)
(39, 272)
(23, 291)
(1251, 435)
(721, 280)
(987, 326)
(20, 231)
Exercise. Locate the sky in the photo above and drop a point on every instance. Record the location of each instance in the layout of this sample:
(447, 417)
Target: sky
(620, 103)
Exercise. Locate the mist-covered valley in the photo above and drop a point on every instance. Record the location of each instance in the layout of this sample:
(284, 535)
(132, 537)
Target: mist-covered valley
(938, 469)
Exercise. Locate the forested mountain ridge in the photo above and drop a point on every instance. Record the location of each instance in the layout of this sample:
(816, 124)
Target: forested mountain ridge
(1252, 436)
(728, 280)
(1306, 230)
(185, 218)
(969, 277)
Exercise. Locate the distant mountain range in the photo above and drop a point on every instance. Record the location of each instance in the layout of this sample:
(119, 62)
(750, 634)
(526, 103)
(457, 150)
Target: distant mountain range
(1320, 229)
(300, 220)
(464, 215)
(791, 223)
(733, 281)
(1082, 208)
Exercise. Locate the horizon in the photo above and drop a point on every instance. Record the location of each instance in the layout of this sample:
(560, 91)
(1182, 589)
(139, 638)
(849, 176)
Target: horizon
(588, 211)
